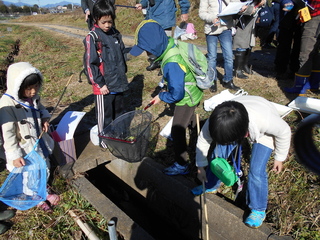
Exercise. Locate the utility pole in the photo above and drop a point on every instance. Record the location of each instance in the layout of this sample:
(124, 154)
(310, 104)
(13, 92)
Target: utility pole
(39, 6)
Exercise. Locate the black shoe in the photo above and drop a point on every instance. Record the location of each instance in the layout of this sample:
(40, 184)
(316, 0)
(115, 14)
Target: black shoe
(230, 85)
(213, 87)
(153, 65)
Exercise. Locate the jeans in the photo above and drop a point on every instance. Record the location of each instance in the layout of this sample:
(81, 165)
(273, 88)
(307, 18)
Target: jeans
(257, 191)
(225, 39)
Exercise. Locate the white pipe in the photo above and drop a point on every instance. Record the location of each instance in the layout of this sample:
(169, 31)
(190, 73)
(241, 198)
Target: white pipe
(84, 227)
(112, 230)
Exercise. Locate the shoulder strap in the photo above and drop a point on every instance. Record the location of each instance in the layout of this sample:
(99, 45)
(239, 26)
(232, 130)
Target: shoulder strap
(95, 38)
(21, 103)
(172, 52)
(94, 35)
(237, 164)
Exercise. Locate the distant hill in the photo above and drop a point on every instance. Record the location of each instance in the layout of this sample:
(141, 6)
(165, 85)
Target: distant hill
(7, 3)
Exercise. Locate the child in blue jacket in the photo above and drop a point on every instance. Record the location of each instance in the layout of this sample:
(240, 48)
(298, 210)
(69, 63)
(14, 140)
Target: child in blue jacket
(151, 37)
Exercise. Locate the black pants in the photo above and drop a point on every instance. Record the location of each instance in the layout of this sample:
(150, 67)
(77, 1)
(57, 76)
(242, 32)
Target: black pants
(183, 116)
(108, 107)
(288, 50)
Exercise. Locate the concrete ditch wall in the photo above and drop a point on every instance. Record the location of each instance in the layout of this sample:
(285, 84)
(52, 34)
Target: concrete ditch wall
(168, 196)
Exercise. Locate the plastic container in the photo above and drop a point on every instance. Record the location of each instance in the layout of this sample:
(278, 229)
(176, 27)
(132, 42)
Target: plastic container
(224, 171)
(94, 135)
(127, 137)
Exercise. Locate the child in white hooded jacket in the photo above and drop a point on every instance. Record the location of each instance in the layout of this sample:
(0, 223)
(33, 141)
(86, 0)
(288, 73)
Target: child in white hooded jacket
(23, 118)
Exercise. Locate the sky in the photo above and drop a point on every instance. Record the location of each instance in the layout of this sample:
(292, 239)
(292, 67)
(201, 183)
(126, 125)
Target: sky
(44, 2)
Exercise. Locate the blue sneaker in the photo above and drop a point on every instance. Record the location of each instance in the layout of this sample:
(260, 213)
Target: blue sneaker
(199, 190)
(176, 169)
(255, 219)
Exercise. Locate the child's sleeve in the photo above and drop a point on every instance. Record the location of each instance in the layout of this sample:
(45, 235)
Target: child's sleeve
(9, 130)
(92, 62)
(44, 113)
(144, 3)
(174, 75)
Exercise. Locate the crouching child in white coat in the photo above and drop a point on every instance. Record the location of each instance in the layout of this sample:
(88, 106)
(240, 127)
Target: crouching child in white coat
(258, 120)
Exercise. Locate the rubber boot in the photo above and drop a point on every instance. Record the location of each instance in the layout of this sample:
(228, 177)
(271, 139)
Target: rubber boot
(314, 80)
(238, 64)
(7, 214)
(301, 85)
(3, 228)
(246, 67)
(213, 87)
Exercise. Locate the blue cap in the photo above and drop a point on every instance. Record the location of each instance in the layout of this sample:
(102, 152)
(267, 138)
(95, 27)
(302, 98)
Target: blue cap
(150, 37)
(136, 51)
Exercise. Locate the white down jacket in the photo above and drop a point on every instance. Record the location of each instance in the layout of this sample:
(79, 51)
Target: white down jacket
(17, 122)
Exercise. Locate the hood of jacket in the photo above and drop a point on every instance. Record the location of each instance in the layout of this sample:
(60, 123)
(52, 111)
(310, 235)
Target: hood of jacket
(16, 73)
(150, 37)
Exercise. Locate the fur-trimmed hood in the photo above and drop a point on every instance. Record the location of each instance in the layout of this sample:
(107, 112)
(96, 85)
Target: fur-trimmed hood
(16, 73)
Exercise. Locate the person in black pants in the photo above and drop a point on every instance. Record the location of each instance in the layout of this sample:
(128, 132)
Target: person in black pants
(289, 40)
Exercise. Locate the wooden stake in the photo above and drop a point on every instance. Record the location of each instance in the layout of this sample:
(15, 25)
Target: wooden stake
(205, 210)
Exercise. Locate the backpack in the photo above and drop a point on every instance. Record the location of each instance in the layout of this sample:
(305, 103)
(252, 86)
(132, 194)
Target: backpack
(196, 62)
(265, 16)
(84, 71)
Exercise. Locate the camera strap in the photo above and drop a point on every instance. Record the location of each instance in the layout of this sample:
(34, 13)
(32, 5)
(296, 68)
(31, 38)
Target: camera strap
(237, 168)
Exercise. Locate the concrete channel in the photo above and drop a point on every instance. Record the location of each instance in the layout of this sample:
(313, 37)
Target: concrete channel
(168, 197)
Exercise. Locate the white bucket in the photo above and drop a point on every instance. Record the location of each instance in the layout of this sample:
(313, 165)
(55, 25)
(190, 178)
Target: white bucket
(94, 135)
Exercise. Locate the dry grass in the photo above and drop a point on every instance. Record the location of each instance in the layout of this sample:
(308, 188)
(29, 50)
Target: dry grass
(294, 194)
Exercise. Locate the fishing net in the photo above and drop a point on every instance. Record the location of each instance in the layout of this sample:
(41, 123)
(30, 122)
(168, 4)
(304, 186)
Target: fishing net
(127, 137)
(25, 186)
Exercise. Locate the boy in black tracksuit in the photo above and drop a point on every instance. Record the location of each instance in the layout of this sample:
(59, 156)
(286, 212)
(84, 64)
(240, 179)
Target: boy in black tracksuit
(105, 64)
